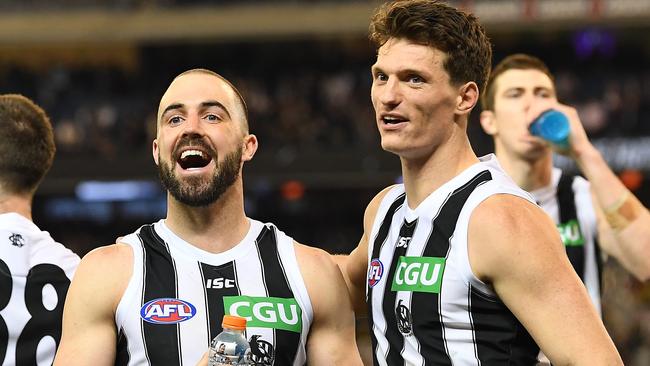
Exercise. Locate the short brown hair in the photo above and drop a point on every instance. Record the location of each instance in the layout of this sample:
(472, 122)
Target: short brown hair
(242, 102)
(518, 61)
(435, 24)
(26, 144)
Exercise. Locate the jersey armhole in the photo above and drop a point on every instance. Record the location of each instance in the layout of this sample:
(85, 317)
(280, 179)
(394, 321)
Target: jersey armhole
(131, 292)
(479, 195)
(287, 251)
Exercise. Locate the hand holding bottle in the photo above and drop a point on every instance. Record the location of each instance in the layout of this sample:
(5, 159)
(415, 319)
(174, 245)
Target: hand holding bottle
(553, 126)
(230, 347)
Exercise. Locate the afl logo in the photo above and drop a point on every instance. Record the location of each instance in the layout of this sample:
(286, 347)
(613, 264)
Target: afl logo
(167, 311)
(375, 271)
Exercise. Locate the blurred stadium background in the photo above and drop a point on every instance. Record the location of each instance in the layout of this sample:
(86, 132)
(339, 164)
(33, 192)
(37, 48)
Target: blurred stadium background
(99, 67)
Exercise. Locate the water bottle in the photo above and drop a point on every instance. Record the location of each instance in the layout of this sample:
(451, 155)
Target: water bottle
(230, 346)
(552, 126)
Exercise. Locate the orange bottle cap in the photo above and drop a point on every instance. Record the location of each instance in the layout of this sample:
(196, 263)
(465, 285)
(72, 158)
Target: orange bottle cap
(234, 322)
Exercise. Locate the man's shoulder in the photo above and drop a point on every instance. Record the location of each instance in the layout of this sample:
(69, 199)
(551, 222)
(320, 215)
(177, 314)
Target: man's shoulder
(109, 259)
(308, 255)
(504, 210)
(503, 225)
(315, 264)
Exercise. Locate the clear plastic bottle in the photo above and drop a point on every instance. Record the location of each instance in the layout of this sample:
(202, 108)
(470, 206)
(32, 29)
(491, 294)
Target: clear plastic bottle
(230, 346)
(552, 126)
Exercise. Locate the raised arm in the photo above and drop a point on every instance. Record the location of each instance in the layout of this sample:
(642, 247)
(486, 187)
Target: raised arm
(515, 247)
(89, 335)
(623, 221)
(331, 337)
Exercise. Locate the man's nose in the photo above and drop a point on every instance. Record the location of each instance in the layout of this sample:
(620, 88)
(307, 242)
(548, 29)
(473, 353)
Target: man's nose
(193, 126)
(390, 93)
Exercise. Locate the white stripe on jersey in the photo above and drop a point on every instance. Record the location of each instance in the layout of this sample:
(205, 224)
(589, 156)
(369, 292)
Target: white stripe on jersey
(299, 290)
(547, 199)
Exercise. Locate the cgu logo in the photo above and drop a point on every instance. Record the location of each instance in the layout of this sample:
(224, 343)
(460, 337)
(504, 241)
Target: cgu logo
(167, 311)
(571, 234)
(418, 274)
(266, 312)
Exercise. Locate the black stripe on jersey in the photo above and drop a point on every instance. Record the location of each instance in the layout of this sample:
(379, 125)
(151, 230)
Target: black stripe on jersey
(393, 336)
(214, 295)
(285, 343)
(499, 338)
(6, 284)
(160, 282)
(599, 265)
(376, 248)
(428, 325)
(122, 355)
(567, 203)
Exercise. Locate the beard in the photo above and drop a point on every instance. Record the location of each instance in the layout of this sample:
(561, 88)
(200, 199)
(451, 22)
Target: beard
(200, 191)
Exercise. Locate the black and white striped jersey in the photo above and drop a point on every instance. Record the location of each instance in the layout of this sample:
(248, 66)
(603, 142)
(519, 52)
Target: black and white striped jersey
(178, 294)
(568, 201)
(35, 273)
(425, 305)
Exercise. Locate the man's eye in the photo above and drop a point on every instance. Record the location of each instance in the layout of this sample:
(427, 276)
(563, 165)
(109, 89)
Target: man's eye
(175, 120)
(212, 117)
(415, 79)
(381, 77)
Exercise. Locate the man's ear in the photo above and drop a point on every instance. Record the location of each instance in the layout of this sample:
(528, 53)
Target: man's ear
(488, 122)
(467, 98)
(154, 151)
(249, 147)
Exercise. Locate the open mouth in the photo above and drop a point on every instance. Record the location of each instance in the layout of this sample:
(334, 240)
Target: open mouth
(390, 120)
(193, 159)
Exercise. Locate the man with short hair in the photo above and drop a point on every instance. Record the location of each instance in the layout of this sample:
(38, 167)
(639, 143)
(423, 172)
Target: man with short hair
(591, 214)
(35, 271)
(159, 296)
(457, 265)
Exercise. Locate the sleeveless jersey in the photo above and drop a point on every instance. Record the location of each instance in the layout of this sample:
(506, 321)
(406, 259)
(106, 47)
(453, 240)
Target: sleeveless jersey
(176, 298)
(568, 201)
(35, 273)
(425, 305)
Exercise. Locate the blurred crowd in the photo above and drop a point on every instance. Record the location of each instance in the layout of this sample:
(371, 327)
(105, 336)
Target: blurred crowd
(302, 100)
(22, 5)
(314, 95)
(299, 94)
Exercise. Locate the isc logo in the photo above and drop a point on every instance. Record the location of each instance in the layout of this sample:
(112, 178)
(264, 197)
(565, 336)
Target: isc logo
(218, 283)
(403, 242)
(167, 311)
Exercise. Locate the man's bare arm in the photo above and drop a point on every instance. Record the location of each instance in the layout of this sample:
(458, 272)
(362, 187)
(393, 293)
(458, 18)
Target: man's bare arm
(89, 334)
(515, 247)
(355, 265)
(623, 221)
(331, 337)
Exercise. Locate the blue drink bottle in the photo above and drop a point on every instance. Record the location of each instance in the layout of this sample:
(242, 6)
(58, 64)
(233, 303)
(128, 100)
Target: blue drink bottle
(552, 126)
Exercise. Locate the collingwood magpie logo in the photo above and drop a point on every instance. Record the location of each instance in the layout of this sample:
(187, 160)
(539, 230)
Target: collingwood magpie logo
(403, 316)
(17, 240)
(262, 353)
